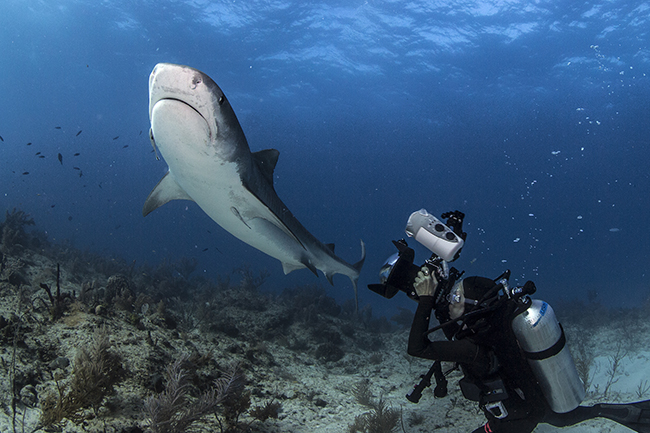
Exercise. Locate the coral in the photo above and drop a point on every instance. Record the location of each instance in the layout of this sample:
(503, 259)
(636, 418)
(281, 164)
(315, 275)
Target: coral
(249, 281)
(57, 303)
(12, 231)
(380, 419)
(416, 419)
(186, 266)
(236, 405)
(172, 412)
(119, 291)
(309, 300)
(328, 352)
(642, 389)
(96, 371)
(271, 409)
(362, 393)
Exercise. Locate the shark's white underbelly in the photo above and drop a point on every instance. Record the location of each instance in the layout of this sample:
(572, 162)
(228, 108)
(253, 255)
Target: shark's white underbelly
(240, 213)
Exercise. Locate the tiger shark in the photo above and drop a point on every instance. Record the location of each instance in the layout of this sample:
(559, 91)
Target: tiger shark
(195, 129)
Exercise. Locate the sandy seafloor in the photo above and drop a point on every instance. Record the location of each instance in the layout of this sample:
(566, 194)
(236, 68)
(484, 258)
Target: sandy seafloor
(278, 341)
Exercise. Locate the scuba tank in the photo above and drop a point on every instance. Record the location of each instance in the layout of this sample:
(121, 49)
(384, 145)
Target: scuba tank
(542, 339)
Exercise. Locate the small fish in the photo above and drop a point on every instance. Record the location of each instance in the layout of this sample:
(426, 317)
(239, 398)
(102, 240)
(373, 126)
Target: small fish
(116, 137)
(205, 249)
(25, 172)
(60, 158)
(100, 185)
(41, 156)
(76, 168)
(1, 139)
(78, 133)
(38, 153)
(117, 226)
(81, 173)
(57, 127)
(70, 218)
(125, 146)
(140, 132)
(76, 154)
(29, 144)
(53, 205)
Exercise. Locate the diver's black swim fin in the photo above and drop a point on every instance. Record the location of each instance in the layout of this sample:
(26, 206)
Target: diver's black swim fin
(635, 416)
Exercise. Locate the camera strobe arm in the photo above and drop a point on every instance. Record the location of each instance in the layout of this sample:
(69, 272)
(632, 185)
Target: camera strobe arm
(425, 382)
(441, 383)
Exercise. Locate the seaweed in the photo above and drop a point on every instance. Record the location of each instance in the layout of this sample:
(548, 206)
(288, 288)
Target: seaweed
(120, 293)
(270, 409)
(171, 411)
(58, 302)
(96, 371)
(380, 419)
(186, 266)
(12, 232)
(362, 393)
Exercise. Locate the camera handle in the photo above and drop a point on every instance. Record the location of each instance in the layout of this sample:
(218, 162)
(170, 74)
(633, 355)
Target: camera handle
(441, 383)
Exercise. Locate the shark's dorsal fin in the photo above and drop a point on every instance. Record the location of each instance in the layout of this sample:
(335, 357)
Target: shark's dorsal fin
(266, 161)
(166, 190)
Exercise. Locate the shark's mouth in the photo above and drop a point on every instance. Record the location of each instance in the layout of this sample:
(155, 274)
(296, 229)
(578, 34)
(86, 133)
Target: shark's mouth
(179, 121)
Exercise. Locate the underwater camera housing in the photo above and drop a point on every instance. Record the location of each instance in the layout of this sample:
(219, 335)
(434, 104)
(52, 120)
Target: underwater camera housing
(436, 236)
(443, 240)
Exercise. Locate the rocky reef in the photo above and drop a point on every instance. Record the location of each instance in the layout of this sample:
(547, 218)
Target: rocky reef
(95, 343)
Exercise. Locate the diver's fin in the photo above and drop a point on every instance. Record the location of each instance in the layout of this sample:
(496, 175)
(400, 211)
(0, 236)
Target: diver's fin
(635, 416)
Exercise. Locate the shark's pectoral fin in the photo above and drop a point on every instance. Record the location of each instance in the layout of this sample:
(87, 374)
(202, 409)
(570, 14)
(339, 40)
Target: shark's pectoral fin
(166, 190)
(234, 210)
(153, 143)
(266, 161)
(288, 267)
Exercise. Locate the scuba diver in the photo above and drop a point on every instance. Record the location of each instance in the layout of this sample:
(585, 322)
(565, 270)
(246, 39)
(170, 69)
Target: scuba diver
(510, 348)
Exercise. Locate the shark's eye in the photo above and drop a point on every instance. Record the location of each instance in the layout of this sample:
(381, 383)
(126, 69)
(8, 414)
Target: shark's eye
(222, 99)
(196, 81)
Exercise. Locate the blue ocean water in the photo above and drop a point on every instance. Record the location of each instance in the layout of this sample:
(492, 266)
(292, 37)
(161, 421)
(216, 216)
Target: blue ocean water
(530, 117)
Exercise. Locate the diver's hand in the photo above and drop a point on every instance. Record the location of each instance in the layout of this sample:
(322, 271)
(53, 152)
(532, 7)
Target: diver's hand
(425, 284)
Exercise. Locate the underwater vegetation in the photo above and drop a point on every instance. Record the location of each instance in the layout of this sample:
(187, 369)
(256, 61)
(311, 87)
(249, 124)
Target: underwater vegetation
(89, 340)
(96, 343)
(380, 419)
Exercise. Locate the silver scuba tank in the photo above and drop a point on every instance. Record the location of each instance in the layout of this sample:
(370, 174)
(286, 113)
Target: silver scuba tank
(542, 339)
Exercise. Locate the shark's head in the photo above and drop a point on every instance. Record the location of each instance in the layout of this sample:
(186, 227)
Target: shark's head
(186, 106)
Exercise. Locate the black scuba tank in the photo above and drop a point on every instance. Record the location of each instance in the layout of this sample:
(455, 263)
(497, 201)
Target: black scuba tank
(542, 339)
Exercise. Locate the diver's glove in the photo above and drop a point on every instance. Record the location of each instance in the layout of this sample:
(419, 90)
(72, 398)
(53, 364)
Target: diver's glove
(425, 283)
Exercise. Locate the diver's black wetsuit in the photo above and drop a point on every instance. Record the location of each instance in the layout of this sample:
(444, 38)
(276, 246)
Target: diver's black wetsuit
(475, 347)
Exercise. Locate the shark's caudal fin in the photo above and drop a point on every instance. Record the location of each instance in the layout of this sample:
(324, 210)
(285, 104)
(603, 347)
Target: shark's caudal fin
(358, 265)
(354, 278)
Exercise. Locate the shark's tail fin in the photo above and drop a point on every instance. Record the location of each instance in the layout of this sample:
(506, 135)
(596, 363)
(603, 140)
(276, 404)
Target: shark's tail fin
(357, 266)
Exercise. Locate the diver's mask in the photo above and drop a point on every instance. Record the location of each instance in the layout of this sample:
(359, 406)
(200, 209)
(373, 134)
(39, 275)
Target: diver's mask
(457, 300)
